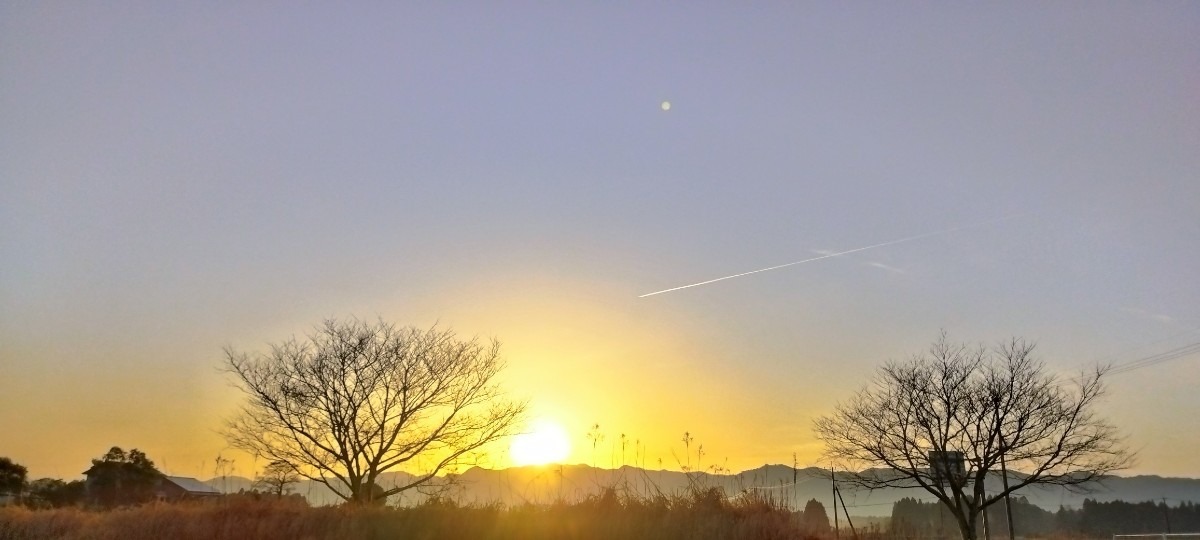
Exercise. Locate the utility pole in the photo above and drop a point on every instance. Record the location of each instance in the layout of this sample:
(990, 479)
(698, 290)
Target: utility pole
(795, 504)
(941, 520)
(838, 492)
(987, 529)
(1012, 535)
(837, 533)
(1167, 514)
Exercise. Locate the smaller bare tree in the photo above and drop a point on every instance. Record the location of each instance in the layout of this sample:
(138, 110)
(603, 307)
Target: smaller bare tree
(984, 410)
(277, 478)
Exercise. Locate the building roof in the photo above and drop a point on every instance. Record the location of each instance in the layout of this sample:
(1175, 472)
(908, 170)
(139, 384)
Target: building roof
(191, 485)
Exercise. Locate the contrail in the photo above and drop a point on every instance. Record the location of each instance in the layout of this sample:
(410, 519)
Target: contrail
(838, 254)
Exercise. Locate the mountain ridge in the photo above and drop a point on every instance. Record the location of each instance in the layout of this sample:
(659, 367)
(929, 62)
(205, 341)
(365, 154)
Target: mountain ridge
(540, 484)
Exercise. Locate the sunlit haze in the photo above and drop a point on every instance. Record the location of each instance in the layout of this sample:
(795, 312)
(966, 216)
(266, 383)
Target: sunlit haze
(178, 177)
(542, 442)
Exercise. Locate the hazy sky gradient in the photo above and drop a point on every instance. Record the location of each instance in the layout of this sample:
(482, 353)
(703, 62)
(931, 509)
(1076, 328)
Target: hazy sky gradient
(174, 179)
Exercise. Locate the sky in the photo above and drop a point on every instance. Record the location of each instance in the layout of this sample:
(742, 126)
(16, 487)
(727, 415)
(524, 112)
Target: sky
(181, 177)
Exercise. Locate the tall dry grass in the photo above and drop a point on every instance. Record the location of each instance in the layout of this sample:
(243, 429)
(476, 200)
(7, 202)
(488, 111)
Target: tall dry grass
(700, 514)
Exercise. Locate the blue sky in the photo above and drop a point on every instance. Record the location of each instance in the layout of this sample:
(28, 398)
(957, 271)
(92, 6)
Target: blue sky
(179, 178)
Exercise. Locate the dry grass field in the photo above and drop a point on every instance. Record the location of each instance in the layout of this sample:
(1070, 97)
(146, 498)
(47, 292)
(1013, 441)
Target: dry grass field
(703, 514)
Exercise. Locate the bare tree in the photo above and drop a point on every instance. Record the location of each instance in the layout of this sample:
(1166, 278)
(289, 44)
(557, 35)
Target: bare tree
(996, 409)
(277, 478)
(355, 400)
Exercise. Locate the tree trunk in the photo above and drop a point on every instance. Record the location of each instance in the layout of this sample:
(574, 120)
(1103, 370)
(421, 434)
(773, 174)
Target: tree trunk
(367, 494)
(967, 528)
(362, 495)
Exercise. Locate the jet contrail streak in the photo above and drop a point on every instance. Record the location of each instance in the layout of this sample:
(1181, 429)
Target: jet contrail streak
(838, 254)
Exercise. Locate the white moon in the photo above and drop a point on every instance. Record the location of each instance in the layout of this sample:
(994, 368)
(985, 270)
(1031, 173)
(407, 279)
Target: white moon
(666, 105)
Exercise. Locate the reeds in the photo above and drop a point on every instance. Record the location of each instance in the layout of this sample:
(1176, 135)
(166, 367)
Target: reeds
(698, 514)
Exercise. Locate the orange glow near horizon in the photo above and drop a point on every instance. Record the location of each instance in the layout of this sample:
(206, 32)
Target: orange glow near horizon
(577, 351)
(574, 349)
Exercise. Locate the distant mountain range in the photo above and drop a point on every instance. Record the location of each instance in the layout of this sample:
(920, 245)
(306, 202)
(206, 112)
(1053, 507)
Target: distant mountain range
(796, 486)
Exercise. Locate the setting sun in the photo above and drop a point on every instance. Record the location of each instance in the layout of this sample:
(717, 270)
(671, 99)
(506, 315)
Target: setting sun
(544, 442)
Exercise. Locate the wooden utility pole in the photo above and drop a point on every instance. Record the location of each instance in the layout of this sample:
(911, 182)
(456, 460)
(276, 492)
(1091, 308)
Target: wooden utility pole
(837, 533)
(838, 492)
(987, 530)
(795, 504)
(1012, 535)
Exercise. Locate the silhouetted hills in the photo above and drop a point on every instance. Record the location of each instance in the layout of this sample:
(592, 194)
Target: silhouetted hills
(316, 493)
(545, 484)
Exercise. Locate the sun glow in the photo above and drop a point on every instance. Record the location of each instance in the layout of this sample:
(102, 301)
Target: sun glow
(543, 442)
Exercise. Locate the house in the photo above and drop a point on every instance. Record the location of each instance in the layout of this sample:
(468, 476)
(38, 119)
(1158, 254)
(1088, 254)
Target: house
(174, 488)
(110, 485)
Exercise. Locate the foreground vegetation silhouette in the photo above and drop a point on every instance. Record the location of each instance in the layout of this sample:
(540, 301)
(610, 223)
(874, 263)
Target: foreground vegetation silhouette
(701, 515)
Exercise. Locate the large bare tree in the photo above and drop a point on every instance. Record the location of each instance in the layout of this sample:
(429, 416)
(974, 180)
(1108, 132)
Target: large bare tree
(988, 409)
(354, 400)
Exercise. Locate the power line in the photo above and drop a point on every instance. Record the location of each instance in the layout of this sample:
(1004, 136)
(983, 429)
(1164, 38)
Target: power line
(871, 504)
